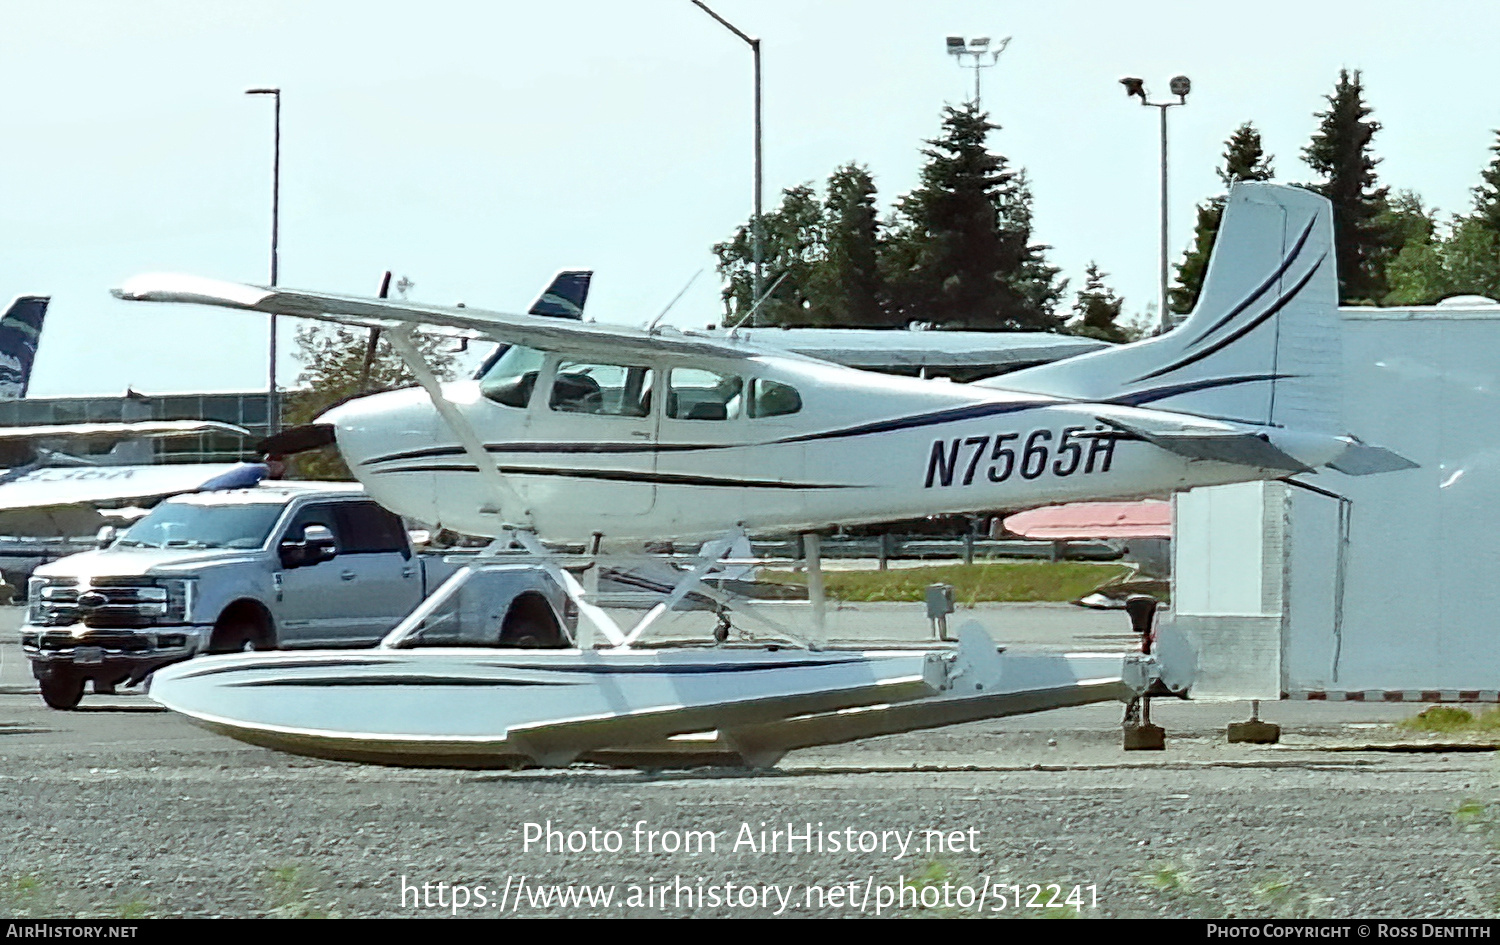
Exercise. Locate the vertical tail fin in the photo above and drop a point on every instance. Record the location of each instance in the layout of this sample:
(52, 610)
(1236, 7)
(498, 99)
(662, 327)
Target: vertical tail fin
(20, 329)
(1262, 345)
(565, 296)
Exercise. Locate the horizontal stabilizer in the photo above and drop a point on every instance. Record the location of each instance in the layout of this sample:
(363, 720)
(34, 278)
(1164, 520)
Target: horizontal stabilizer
(1242, 448)
(1361, 459)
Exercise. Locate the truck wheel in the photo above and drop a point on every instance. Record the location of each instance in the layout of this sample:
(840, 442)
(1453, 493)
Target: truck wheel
(62, 690)
(240, 629)
(531, 625)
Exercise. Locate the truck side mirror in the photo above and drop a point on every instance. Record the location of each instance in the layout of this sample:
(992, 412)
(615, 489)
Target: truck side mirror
(317, 545)
(105, 537)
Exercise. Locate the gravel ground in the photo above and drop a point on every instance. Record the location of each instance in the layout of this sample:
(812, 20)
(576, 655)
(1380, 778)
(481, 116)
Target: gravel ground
(122, 809)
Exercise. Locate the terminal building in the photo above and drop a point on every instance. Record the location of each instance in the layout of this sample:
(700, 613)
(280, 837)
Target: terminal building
(248, 409)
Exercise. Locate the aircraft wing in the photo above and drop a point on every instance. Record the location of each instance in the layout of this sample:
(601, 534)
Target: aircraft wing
(79, 485)
(153, 429)
(529, 330)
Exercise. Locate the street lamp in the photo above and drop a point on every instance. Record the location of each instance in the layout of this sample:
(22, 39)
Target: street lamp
(976, 49)
(273, 404)
(1180, 87)
(755, 224)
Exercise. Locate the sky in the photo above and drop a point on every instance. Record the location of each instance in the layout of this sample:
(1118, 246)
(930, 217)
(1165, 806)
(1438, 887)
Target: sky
(478, 147)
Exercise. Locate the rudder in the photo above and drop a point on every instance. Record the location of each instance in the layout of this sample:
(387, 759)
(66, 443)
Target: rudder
(1262, 344)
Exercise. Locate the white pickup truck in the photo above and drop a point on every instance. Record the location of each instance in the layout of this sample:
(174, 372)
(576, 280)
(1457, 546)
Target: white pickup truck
(284, 564)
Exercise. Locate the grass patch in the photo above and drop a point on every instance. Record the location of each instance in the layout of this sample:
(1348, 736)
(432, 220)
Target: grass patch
(292, 893)
(1452, 720)
(1287, 899)
(1010, 581)
(27, 895)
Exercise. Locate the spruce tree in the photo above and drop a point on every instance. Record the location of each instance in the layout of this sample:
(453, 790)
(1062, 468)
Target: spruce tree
(1487, 194)
(1244, 159)
(1097, 309)
(1340, 151)
(959, 253)
(848, 291)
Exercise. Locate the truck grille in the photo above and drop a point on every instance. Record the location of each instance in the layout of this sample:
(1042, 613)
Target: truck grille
(122, 642)
(105, 603)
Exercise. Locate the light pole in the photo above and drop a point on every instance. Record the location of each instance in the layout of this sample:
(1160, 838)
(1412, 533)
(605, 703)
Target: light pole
(976, 49)
(755, 225)
(273, 402)
(1180, 87)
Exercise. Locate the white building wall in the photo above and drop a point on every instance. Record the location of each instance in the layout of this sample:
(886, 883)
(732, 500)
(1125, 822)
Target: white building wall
(1381, 586)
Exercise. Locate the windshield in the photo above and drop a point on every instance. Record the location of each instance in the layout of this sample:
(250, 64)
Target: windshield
(183, 525)
(511, 377)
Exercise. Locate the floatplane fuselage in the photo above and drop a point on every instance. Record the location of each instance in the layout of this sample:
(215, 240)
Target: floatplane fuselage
(688, 448)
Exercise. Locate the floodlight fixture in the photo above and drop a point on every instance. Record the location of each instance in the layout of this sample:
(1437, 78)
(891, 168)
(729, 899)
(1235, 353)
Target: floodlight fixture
(1181, 86)
(976, 48)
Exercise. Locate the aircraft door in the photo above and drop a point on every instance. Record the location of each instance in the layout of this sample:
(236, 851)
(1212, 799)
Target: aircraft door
(595, 436)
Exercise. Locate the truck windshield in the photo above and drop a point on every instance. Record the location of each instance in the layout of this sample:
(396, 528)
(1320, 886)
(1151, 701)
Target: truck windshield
(185, 525)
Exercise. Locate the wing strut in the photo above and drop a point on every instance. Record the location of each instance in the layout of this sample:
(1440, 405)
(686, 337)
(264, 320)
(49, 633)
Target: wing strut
(506, 497)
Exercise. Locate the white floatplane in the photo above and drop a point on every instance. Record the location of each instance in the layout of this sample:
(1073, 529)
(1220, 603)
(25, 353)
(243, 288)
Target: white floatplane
(609, 437)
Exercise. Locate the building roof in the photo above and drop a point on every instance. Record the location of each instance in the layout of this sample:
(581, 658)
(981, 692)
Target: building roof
(1081, 521)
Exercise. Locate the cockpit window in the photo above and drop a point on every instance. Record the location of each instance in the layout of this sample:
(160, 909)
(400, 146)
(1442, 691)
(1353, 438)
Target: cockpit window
(610, 390)
(512, 377)
(703, 395)
(773, 398)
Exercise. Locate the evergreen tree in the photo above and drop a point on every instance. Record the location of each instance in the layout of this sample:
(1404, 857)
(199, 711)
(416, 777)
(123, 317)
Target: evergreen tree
(1471, 257)
(791, 247)
(959, 253)
(1405, 219)
(1487, 194)
(1429, 267)
(1475, 259)
(1416, 274)
(848, 291)
(332, 357)
(1340, 151)
(1244, 159)
(1097, 310)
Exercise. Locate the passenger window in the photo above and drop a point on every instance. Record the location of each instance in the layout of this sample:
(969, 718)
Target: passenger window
(366, 528)
(703, 395)
(773, 398)
(512, 377)
(610, 390)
